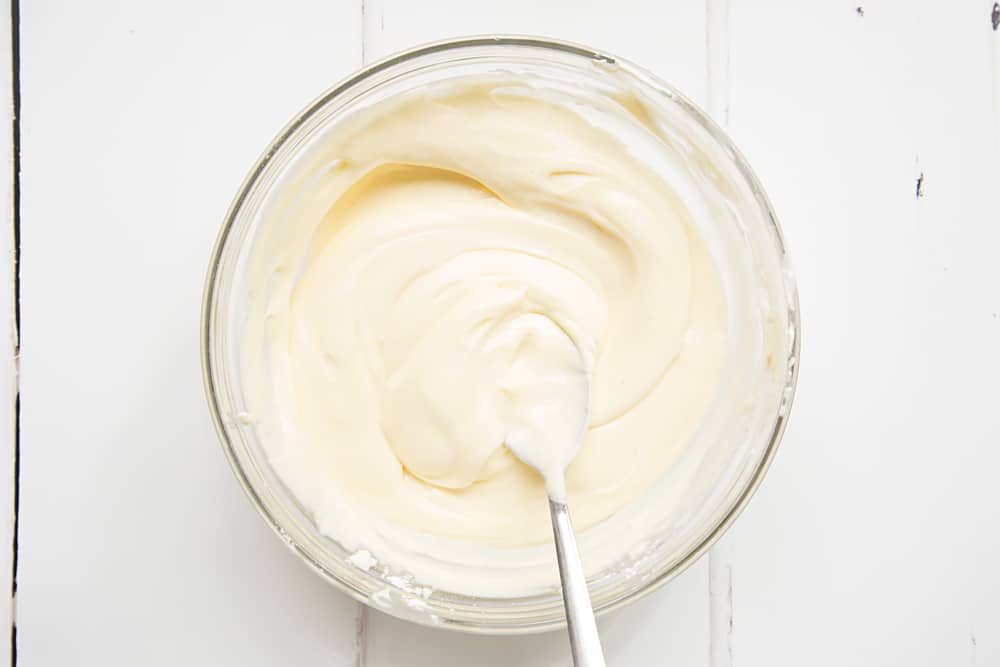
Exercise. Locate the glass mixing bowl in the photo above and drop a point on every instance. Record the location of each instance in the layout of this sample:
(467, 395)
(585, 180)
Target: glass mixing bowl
(724, 462)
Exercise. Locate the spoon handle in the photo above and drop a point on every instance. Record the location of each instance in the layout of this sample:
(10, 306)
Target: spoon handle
(583, 639)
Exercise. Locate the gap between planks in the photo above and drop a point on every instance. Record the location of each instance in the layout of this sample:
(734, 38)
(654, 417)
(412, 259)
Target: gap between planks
(362, 618)
(720, 569)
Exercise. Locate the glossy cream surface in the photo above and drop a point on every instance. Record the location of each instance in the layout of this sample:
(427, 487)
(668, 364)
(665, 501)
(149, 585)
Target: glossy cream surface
(448, 271)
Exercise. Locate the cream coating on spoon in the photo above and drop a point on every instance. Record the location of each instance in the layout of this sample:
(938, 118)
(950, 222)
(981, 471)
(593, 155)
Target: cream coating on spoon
(547, 392)
(438, 270)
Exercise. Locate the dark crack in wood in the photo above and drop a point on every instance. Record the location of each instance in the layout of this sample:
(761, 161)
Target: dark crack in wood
(15, 129)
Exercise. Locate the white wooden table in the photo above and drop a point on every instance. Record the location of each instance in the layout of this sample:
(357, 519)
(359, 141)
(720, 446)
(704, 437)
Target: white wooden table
(875, 539)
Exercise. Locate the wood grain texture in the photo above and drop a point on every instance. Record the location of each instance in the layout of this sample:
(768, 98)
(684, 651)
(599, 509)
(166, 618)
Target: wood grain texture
(139, 122)
(873, 541)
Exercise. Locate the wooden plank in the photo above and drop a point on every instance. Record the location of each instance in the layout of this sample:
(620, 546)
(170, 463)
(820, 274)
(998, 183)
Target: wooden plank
(667, 38)
(139, 122)
(874, 127)
(670, 627)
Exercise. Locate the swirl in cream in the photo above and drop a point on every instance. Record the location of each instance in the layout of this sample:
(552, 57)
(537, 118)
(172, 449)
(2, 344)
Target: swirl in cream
(395, 293)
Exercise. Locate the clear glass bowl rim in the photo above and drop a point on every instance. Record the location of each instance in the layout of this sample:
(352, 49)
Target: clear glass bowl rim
(210, 368)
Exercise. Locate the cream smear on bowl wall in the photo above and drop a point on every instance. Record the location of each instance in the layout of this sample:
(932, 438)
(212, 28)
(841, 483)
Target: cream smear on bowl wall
(422, 253)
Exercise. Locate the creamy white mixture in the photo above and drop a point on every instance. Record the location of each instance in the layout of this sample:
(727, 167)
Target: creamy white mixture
(442, 269)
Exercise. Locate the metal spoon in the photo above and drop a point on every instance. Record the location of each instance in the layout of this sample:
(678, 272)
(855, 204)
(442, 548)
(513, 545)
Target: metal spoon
(584, 641)
(549, 412)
